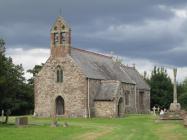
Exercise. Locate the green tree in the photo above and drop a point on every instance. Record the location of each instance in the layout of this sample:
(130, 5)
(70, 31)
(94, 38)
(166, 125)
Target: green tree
(16, 96)
(183, 94)
(161, 88)
(2, 46)
(34, 71)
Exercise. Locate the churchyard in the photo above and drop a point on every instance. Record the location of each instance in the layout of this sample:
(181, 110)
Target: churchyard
(132, 127)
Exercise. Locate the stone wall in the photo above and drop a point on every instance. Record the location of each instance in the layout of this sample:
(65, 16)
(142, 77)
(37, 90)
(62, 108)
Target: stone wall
(105, 108)
(94, 86)
(73, 89)
(146, 101)
(130, 108)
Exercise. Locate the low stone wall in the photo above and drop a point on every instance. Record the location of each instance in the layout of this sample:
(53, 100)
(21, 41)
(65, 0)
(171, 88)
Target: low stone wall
(105, 109)
(174, 115)
(171, 116)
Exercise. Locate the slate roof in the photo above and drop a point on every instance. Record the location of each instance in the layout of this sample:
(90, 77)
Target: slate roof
(107, 91)
(98, 66)
(136, 77)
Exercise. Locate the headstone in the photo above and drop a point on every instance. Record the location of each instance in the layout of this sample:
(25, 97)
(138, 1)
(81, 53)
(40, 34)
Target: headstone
(2, 115)
(158, 109)
(21, 121)
(154, 109)
(162, 114)
(185, 120)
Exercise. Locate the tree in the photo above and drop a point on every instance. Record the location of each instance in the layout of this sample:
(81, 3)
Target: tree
(34, 71)
(161, 88)
(2, 46)
(16, 96)
(183, 94)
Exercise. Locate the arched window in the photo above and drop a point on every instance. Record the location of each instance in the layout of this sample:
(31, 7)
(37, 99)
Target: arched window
(63, 37)
(56, 38)
(59, 75)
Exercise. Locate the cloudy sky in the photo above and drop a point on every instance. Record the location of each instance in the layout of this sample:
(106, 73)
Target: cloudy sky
(144, 32)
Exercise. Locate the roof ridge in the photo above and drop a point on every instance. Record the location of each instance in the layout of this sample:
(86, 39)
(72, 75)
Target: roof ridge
(110, 81)
(86, 51)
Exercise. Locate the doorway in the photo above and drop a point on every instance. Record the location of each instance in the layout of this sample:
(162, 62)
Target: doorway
(120, 107)
(59, 106)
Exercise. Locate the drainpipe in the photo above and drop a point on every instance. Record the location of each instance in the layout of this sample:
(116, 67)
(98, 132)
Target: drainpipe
(135, 98)
(88, 98)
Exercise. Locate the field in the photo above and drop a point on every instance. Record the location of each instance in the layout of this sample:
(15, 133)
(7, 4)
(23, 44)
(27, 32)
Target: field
(133, 127)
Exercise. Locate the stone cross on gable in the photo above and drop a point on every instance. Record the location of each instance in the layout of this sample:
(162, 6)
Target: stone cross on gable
(154, 109)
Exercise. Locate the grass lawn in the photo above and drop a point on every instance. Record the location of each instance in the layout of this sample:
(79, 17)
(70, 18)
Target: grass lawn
(133, 127)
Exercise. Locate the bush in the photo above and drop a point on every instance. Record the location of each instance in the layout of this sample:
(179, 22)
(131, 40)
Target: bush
(183, 100)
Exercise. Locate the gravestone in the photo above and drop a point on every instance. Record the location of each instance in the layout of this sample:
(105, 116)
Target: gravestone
(21, 121)
(185, 120)
(158, 109)
(2, 115)
(154, 109)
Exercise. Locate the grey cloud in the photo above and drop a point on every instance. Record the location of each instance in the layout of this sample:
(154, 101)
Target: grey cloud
(28, 23)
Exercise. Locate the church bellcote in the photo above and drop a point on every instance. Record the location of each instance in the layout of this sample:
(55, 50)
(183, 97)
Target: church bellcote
(60, 38)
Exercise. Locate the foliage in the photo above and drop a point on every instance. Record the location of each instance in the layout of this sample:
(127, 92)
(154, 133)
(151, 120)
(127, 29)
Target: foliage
(34, 71)
(183, 100)
(134, 127)
(16, 95)
(161, 88)
(2, 46)
(182, 90)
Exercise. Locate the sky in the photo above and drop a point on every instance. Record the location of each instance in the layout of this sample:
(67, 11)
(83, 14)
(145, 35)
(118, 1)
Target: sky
(147, 33)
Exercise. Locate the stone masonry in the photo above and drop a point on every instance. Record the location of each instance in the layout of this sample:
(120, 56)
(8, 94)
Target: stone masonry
(73, 89)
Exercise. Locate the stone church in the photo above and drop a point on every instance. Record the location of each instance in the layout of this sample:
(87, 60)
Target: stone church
(80, 83)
